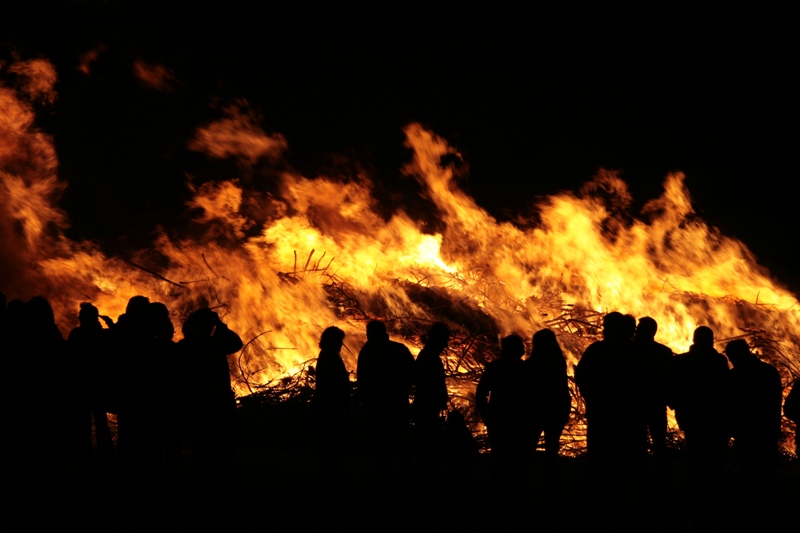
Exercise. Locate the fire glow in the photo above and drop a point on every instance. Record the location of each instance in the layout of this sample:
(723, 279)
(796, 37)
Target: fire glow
(323, 243)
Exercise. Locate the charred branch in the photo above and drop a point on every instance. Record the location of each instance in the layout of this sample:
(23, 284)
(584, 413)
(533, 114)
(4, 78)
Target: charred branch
(154, 274)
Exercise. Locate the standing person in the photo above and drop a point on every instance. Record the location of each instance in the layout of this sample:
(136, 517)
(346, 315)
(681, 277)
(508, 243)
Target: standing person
(430, 393)
(144, 358)
(700, 381)
(502, 400)
(654, 362)
(89, 346)
(607, 379)
(549, 389)
(130, 339)
(210, 404)
(330, 405)
(756, 393)
(701, 390)
(385, 375)
(41, 424)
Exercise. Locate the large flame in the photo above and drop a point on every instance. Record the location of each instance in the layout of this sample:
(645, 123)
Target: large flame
(282, 265)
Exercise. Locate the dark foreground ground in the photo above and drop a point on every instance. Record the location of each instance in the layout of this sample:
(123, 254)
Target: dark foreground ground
(276, 482)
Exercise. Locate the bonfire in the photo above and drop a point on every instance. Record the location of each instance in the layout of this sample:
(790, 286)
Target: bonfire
(282, 265)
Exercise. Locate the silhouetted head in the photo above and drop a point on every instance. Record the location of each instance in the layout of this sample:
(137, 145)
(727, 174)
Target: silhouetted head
(630, 326)
(646, 330)
(38, 313)
(545, 341)
(703, 337)
(376, 331)
(614, 326)
(200, 324)
(331, 339)
(137, 306)
(88, 315)
(438, 336)
(512, 347)
(738, 351)
(159, 318)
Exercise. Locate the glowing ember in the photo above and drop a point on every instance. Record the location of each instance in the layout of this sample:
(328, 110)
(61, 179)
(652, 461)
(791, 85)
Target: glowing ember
(321, 244)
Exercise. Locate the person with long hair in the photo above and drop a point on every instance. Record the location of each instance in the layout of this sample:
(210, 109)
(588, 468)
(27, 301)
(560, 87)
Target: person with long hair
(330, 405)
(430, 391)
(550, 398)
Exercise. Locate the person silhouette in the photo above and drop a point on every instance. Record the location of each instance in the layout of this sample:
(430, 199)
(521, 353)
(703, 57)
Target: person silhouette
(501, 398)
(144, 370)
(701, 390)
(550, 398)
(385, 372)
(607, 378)
(209, 405)
(41, 425)
(653, 360)
(430, 388)
(330, 404)
(89, 346)
(756, 394)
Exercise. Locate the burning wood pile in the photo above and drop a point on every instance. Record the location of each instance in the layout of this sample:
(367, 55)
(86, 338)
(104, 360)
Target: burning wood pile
(581, 255)
(474, 343)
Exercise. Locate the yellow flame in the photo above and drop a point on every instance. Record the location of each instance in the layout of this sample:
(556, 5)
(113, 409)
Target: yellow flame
(325, 254)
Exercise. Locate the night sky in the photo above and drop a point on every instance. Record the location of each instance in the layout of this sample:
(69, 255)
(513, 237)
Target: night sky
(535, 99)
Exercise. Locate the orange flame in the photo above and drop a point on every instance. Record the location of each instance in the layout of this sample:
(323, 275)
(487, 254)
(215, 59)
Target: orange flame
(272, 276)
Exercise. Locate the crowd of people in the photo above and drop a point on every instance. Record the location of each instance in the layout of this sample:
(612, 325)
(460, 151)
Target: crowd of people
(168, 397)
(171, 396)
(626, 381)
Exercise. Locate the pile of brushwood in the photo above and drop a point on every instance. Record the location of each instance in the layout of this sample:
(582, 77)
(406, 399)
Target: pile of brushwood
(474, 342)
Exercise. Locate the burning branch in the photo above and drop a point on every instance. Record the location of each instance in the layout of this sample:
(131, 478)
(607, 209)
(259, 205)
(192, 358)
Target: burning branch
(242, 371)
(291, 277)
(154, 274)
(211, 269)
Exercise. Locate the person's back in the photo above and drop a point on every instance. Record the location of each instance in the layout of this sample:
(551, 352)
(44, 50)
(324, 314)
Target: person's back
(550, 400)
(385, 375)
(330, 404)
(608, 380)
(604, 376)
(502, 398)
(209, 405)
(755, 397)
(654, 361)
(757, 394)
(701, 391)
(430, 392)
(88, 347)
(702, 375)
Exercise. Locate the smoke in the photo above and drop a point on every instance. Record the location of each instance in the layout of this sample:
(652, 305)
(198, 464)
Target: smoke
(238, 135)
(36, 79)
(87, 59)
(156, 77)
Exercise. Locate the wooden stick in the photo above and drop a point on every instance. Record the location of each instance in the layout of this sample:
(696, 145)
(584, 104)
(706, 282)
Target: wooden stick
(154, 274)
